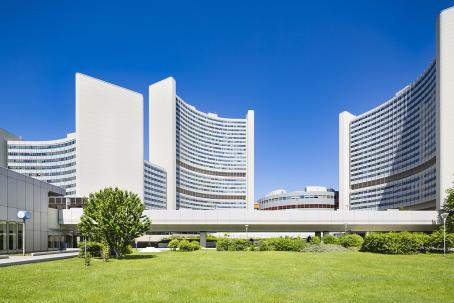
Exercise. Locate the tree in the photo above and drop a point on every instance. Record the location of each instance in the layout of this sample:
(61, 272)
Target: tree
(449, 207)
(114, 217)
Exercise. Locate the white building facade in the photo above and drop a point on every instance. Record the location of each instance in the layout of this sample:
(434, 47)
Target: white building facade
(209, 160)
(399, 154)
(52, 161)
(105, 151)
(311, 197)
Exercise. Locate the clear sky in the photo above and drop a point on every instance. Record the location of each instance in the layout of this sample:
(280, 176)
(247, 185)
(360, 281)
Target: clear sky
(298, 64)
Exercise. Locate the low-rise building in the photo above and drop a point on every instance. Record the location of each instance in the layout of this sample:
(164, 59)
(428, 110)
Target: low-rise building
(312, 197)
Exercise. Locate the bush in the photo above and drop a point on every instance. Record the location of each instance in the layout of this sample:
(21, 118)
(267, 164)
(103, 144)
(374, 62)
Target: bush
(94, 248)
(222, 244)
(239, 245)
(435, 240)
(282, 244)
(173, 244)
(264, 246)
(298, 245)
(395, 243)
(194, 245)
(315, 240)
(329, 239)
(184, 245)
(324, 248)
(227, 244)
(127, 250)
(351, 240)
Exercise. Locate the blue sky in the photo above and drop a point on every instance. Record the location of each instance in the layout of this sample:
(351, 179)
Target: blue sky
(298, 64)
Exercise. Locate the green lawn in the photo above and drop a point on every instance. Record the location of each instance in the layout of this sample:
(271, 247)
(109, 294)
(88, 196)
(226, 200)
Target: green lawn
(210, 276)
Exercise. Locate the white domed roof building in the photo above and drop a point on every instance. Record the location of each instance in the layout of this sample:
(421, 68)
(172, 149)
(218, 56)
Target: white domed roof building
(312, 197)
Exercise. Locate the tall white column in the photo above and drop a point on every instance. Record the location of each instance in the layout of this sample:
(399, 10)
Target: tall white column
(344, 159)
(162, 133)
(250, 160)
(445, 103)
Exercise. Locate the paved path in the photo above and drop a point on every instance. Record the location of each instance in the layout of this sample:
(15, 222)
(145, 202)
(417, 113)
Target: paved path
(18, 260)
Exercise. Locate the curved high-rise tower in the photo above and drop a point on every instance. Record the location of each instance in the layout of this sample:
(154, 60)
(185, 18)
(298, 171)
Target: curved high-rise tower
(400, 154)
(209, 160)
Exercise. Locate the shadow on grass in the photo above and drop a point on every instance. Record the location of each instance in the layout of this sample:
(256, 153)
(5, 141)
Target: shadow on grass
(137, 257)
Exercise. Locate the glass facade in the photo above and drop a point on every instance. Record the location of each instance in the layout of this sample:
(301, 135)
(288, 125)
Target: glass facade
(11, 237)
(155, 190)
(393, 150)
(210, 159)
(53, 162)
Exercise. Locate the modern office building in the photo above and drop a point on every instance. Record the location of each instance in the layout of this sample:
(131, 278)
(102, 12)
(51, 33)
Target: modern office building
(5, 136)
(209, 160)
(400, 154)
(52, 161)
(155, 186)
(105, 151)
(197, 160)
(19, 192)
(313, 197)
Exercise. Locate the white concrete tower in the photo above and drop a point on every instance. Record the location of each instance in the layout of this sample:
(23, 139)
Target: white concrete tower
(445, 103)
(209, 160)
(109, 137)
(162, 132)
(344, 159)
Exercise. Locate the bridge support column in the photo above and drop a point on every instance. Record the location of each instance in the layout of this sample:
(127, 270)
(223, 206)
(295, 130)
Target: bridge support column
(325, 233)
(318, 234)
(203, 239)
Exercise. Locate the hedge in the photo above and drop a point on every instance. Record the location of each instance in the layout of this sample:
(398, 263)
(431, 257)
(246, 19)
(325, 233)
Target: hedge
(396, 243)
(436, 240)
(227, 244)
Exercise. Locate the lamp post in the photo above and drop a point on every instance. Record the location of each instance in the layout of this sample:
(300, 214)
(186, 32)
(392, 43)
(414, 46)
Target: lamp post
(23, 215)
(444, 216)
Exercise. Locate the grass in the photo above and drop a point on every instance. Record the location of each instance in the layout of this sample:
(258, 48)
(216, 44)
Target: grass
(210, 276)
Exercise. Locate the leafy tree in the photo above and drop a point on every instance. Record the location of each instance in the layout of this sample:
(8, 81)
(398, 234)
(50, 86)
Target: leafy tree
(449, 207)
(114, 217)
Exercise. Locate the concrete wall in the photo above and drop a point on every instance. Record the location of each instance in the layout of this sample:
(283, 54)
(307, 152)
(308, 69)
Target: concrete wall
(109, 137)
(344, 159)
(162, 134)
(19, 192)
(445, 103)
(250, 198)
(234, 220)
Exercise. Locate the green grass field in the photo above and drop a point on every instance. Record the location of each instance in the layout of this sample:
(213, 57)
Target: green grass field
(210, 276)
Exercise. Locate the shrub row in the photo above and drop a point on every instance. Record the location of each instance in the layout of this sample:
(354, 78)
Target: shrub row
(405, 242)
(288, 244)
(282, 244)
(184, 245)
(227, 244)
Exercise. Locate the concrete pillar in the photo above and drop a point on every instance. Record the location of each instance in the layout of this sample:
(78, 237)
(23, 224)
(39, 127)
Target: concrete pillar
(325, 233)
(203, 239)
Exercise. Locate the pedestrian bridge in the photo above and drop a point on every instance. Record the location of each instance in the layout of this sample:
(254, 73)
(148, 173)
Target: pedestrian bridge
(277, 221)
